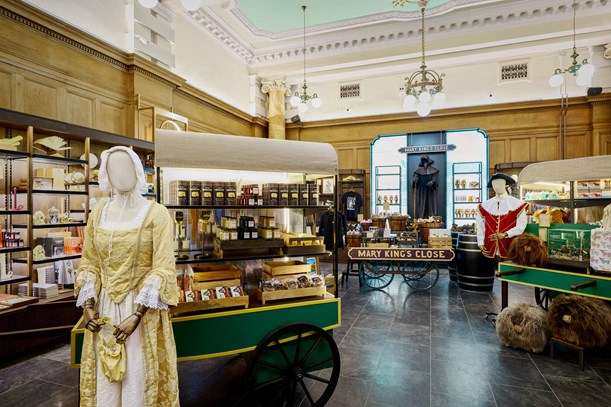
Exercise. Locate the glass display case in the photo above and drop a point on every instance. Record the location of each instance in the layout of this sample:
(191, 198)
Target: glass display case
(569, 244)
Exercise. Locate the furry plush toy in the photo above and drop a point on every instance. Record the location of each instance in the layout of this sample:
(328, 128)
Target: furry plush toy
(580, 320)
(528, 250)
(523, 326)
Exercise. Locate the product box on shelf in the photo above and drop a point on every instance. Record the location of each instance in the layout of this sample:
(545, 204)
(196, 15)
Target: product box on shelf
(289, 279)
(600, 251)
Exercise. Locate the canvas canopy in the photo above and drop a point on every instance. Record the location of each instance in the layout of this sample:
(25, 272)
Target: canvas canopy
(214, 151)
(575, 169)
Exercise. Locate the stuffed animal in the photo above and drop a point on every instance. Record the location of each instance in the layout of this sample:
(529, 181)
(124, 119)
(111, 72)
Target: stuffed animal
(580, 320)
(528, 250)
(523, 326)
(558, 215)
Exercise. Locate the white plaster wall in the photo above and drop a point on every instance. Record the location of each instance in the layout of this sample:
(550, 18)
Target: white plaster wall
(465, 85)
(209, 67)
(104, 19)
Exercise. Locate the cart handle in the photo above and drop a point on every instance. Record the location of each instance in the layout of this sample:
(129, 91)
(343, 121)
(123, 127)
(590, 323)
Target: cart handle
(581, 286)
(510, 272)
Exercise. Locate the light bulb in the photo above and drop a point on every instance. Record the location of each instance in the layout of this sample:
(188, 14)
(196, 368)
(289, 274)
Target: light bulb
(409, 101)
(295, 101)
(316, 102)
(424, 97)
(303, 107)
(582, 80)
(148, 3)
(586, 70)
(556, 80)
(191, 5)
(423, 109)
(438, 99)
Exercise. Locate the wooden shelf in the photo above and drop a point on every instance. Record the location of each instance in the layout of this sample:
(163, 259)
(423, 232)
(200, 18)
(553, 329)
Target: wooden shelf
(14, 280)
(14, 249)
(58, 192)
(186, 207)
(51, 226)
(15, 212)
(49, 259)
(245, 258)
(12, 155)
(47, 159)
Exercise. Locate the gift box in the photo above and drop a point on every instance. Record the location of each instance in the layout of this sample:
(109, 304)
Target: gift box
(600, 250)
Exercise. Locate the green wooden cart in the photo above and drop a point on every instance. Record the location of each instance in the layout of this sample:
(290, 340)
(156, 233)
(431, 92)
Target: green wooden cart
(293, 358)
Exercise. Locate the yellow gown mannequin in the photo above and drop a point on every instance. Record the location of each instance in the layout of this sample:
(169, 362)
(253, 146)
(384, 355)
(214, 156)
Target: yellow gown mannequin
(127, 275)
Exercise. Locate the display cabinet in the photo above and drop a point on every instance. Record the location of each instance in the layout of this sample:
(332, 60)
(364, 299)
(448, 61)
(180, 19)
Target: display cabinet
(387, 192)
(466, 191)
(249, 231)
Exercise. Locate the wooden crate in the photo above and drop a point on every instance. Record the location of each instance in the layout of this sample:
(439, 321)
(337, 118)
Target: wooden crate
(440, 242)
(247, 248)
(265, 296)
(286, 268)
(210, 277)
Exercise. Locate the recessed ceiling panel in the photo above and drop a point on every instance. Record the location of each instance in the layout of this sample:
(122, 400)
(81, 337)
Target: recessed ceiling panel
(277, 16)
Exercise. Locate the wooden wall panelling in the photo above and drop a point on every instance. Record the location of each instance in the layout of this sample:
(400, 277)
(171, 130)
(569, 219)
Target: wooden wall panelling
(79, 108)
(345, 157)
(519, 149)
(546, 148)
(496, 152)
(111, 117)
(6, 88)
(40, 99)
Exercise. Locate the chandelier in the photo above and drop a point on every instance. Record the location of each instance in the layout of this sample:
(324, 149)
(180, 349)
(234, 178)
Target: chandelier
(190, 5)
(301, 100)
(583, 71)
(423, 88)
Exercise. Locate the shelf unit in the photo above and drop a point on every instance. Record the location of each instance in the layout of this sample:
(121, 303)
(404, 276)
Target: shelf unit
(466, 191)
(293, 219)
(22, 200)
(387, 185)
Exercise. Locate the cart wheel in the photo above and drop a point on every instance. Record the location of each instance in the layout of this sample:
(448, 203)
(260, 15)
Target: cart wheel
(421, 275)
(542, 297)
(376, 274)
(280, 372)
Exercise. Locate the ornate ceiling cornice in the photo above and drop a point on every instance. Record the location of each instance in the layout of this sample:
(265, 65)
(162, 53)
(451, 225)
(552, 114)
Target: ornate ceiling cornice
(380, 35)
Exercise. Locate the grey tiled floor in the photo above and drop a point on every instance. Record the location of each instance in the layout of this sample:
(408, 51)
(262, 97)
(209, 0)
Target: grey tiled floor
(398, 348)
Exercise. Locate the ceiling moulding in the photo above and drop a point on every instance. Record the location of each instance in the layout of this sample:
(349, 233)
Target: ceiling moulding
(361, 21)
(222, 33)
(391, 34)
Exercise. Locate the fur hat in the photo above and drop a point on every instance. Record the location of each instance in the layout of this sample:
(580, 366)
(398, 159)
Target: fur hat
(500, 175)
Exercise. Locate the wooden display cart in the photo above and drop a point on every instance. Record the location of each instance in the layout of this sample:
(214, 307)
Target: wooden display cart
(300, 326)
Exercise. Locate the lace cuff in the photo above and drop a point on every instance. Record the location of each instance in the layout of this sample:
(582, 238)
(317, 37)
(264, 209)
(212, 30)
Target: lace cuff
(87, 289)
(149, 294)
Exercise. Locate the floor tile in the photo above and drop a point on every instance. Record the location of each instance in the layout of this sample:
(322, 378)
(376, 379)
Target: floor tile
(410, 334)
(363, 338)
(447, 328)
(452, 400)
(509, 396)
(60, 354)
(396, 389)
(23, 372)
(65, 375)
(413, 318)
(350, 392)
(461, 380)
(515, 372)
(399, 357)
(579, 393)
(373, 321)
(359, 363)
(564, 366)
(35, 393)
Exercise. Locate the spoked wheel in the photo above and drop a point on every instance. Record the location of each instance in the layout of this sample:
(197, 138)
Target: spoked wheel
(376, 274)
(421, 275)
(295, 365)
(542, 297)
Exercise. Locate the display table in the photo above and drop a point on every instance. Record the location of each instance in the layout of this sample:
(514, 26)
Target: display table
(595, 286)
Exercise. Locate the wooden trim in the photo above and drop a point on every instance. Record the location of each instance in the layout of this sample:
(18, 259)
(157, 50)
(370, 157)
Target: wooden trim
(18, 119)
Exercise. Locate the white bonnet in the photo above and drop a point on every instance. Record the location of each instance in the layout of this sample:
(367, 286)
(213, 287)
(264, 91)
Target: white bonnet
(105, 184)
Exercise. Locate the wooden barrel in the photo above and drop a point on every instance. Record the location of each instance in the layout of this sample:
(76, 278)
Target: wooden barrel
(452, 265)
(398, 223)
(379, 222)
(474, 272)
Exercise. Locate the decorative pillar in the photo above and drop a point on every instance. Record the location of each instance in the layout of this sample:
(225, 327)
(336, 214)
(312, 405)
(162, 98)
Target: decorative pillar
(276, 91)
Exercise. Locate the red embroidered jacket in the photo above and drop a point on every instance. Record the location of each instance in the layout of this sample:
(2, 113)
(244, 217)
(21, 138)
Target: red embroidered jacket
(498, 224)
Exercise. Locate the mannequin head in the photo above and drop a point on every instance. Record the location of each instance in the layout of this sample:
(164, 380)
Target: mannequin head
(499, 186)
(121, 171)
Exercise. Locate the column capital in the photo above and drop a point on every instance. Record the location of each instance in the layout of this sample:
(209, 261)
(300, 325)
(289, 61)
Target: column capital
(278, 85)
(607, 53)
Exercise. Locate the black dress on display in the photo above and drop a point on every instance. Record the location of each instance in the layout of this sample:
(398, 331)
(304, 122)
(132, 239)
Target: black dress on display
(425, 188)
(325, 228)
